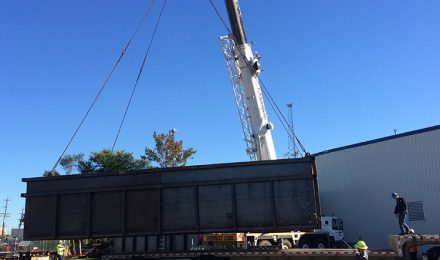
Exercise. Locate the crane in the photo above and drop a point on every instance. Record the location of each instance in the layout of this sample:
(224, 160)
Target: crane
(244, 69)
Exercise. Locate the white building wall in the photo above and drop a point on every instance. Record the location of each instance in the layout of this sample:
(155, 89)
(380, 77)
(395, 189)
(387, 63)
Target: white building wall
(356, 185)
(17, 233)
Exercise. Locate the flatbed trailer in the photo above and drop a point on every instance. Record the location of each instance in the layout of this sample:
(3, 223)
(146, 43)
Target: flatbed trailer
(400, 247)
(25, 255)
(257, 254)
(403, 245)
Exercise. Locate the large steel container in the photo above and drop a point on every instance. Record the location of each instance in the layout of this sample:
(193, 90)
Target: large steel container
(280, 195)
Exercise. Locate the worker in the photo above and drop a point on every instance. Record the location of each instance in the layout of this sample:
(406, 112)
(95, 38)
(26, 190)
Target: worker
(361, 250)
(400, 211)
(60, 250)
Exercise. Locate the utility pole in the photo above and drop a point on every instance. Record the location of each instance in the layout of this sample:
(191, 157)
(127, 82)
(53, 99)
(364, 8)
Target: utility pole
(21, 219)
(5, 215)
(292, 148)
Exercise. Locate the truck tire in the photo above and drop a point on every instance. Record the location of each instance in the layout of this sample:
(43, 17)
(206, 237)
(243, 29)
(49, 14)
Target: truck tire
(332, 242)
(433, 253)
(305, 244)
(264, 243)
(286, 244)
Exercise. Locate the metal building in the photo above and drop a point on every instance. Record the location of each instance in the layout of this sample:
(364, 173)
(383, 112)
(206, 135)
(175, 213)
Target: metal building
(356, 183)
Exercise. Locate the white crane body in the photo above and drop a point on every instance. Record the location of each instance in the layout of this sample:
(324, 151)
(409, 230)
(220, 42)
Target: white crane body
(261, 127)
(244, 69)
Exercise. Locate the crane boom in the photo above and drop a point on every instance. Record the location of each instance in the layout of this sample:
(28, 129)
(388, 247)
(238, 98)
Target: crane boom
(244, 69)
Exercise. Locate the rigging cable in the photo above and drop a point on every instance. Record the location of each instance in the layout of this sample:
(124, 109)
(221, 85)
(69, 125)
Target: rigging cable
(266, 92)
(220, 17)
(139, 74)
(124, 51)
(279, 113)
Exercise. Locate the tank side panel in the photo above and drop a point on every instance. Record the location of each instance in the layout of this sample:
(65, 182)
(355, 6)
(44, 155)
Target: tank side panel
(293, 205)
(266, 196)
(253, 205)
(75, 183)
(107, 213)
(92, 182)
(72, 215)
(142, 211)
(178, 209)
(215, 198)
(40, 217)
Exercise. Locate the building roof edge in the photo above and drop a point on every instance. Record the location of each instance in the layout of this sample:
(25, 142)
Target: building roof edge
(378, 140)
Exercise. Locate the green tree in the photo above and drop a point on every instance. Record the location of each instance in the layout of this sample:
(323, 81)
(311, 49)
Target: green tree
(101, 161)
(50, 173)
(72, 162)
(168, 152)
(105, 161)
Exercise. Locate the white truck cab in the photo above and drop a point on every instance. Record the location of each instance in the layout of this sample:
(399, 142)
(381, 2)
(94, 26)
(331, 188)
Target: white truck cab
(333, 226)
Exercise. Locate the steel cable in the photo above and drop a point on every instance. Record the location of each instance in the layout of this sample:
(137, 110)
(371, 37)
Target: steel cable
(124, 51)
(139, 74)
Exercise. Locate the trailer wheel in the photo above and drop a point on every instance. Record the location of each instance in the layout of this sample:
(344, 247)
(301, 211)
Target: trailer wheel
(320, 244)
(264, 243)
(305, 244)
(286, 244)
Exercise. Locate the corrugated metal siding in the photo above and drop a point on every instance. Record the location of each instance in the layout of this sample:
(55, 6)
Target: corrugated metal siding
(356, 185)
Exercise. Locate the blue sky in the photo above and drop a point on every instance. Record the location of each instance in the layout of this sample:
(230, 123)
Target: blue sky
(355, 70)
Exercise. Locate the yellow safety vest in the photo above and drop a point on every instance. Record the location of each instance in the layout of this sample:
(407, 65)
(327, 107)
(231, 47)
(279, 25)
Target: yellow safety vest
(60, 249)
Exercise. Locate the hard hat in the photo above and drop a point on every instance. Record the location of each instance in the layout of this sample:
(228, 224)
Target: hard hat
(60, 242)
(394, 194)
(361, 245)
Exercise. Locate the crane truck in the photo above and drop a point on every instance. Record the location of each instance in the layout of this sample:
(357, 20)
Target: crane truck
(244, 69)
